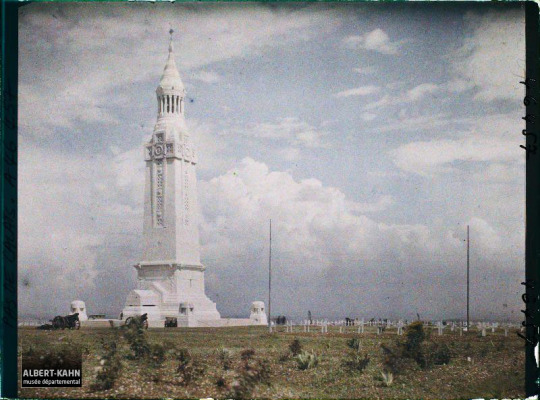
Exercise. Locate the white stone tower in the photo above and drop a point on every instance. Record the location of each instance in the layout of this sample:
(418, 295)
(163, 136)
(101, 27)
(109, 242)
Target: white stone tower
(171, 271)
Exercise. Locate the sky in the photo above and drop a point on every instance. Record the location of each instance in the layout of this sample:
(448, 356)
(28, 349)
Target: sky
(371, 134)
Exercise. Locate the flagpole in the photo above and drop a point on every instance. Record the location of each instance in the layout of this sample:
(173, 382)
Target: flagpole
(468, 267)
(270, 281)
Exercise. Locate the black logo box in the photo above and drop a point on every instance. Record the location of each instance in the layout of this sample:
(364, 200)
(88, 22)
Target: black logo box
(61, 368)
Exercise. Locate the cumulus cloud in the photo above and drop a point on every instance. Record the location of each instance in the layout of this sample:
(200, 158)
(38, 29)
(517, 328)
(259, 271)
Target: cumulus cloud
(313, 220)
(492, 58)
(376, 40)
(488, 140)
(427, 157)
(72, 209)
(324, 241)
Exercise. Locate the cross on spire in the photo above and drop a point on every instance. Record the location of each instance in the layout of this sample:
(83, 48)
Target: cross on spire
(171, 31)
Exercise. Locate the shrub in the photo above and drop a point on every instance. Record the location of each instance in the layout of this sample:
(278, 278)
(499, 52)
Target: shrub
(136, 338)
(354, 344)
(395, 359)
(154, 362)
(284, 357)
(224, 356)
(295, 347)
(157, 355)
(392, 359)
(439, 354)
(188, 368)
(258, 371)
(252, 374)
(415, 336)
(356, 362)
(247, 354)
(307, 360)
(109, 369)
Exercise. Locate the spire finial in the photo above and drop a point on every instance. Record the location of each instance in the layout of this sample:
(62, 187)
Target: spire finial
(171, 31)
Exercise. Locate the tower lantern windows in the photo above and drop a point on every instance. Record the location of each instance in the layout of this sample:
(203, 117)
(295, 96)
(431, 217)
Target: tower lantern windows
(170, 104)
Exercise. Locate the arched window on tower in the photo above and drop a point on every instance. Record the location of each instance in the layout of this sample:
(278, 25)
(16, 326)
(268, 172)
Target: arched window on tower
(177, 105)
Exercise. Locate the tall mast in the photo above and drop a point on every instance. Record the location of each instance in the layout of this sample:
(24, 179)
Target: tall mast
(467, 278)
(270, 280)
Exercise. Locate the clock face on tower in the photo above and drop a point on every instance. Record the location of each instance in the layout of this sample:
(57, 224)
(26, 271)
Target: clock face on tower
(158, 151)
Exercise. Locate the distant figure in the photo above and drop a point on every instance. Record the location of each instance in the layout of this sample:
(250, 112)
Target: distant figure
(309, 317)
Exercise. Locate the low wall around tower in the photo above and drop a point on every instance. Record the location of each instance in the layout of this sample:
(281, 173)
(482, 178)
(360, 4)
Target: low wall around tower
(214, 323)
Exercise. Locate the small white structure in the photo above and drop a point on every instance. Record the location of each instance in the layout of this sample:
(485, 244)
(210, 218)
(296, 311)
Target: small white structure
(258, 313)
(186, 317)
(78, 306)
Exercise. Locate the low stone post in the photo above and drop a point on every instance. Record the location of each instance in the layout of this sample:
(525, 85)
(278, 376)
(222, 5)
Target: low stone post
(483, 331)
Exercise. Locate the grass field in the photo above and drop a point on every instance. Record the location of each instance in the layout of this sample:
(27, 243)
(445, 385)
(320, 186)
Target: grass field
(487, 367)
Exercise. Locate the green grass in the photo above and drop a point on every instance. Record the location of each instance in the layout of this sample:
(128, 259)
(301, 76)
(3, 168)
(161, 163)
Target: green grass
(496, 369)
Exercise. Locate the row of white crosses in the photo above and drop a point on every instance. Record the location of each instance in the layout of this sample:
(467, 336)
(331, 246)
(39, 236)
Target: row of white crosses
(400, 324)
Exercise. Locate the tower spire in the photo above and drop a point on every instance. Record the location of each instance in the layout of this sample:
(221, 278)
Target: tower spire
(170, 91)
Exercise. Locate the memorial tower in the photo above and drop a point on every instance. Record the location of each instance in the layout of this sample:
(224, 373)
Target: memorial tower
(170, 272)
